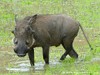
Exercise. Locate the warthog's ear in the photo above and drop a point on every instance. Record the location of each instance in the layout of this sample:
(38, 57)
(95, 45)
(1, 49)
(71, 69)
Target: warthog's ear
(32, 19)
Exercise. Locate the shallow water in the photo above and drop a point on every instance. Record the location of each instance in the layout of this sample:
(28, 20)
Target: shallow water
(19, 67)
(10, 62)
(24, 66)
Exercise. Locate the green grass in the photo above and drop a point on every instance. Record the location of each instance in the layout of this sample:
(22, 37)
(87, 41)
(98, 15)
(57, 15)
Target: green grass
(85, 11)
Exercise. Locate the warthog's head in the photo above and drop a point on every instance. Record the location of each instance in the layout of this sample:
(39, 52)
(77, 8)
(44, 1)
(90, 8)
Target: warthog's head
(23, 35)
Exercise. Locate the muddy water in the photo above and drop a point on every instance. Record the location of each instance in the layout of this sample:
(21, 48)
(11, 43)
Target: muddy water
(24, 66)
(9, 62)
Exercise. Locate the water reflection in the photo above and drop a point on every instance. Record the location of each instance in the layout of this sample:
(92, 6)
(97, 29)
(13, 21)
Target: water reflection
(20, 66)
(24, 66)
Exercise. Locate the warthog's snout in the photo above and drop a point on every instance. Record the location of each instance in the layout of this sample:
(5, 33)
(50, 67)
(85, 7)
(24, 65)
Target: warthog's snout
(21, 50)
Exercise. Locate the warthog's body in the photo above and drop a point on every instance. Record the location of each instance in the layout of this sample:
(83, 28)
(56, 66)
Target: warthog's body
(52, 29)
(45, 31)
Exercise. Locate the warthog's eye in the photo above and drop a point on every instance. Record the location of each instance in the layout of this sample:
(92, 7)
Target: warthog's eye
(27, 42)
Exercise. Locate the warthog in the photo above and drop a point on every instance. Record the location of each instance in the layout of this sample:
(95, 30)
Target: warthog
(45, 31)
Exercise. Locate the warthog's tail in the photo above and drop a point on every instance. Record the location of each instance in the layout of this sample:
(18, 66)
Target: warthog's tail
(85, 36)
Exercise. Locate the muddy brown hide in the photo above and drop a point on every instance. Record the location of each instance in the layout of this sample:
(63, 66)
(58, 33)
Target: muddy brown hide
(45, 31)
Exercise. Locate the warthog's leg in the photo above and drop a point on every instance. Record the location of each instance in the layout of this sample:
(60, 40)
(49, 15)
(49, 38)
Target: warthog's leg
(67, 44)
(31, 56)
(46, 54)
(73, 54)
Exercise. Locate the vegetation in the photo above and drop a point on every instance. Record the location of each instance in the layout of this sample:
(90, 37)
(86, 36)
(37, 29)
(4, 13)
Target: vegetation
(85, 11)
